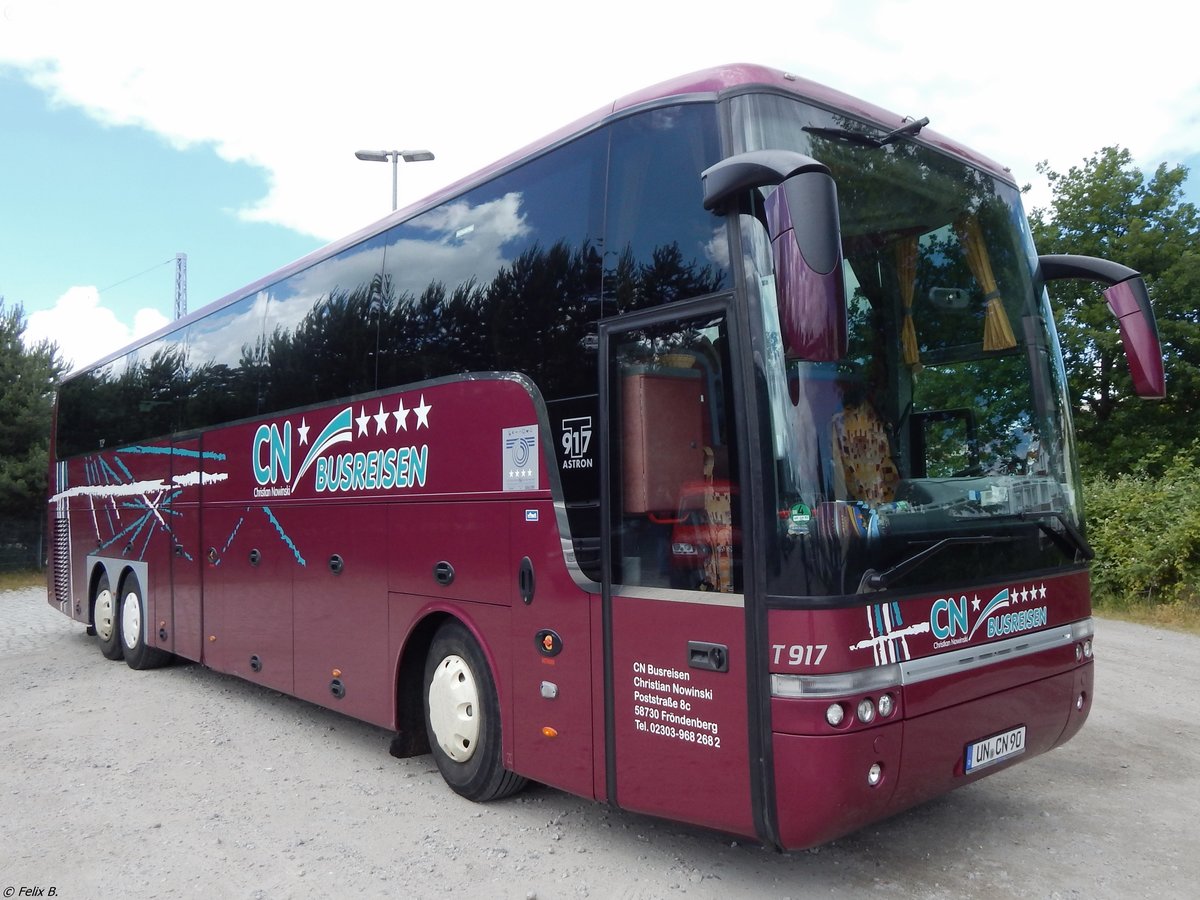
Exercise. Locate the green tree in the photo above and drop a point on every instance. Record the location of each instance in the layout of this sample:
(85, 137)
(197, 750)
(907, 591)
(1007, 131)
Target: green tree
(28, 375)
(1108, 208)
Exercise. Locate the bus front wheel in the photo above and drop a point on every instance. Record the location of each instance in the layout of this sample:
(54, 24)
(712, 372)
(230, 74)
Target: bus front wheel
(462, 717)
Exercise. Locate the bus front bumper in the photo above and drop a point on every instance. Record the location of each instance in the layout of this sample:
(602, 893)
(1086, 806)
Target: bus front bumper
(832, 783)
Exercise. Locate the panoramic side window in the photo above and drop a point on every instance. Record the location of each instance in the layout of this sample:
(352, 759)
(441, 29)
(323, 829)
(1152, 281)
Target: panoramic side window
(503, 278)
(322, 335)
(87, 405)
(153, 384)
(132, 399)
(225, 364)
(661, 245)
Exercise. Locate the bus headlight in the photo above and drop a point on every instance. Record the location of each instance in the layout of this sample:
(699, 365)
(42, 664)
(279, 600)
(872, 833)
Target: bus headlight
(866, 711)
(875, 774)
(887, 705)
(835, 714)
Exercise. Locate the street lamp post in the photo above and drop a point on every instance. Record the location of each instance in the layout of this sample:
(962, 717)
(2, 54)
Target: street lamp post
(395, 156)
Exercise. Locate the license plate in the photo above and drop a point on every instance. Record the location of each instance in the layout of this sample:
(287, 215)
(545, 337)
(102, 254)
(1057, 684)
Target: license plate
(997, 748)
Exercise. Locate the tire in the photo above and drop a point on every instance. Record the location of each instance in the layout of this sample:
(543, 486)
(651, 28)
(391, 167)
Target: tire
(138, 654)
(106, 620)
(462, 718)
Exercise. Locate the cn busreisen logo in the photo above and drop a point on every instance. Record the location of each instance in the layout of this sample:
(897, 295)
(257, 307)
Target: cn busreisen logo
(338, 469)
(1008, 612)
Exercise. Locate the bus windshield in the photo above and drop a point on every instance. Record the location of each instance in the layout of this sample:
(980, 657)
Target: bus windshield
(937, 451)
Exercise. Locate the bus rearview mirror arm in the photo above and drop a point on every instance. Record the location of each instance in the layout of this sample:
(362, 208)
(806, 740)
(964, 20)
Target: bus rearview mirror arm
(806, 244)
(1129, 301)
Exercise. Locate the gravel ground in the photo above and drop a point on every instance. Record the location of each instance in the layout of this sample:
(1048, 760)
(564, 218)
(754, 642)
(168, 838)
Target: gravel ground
(181, 782)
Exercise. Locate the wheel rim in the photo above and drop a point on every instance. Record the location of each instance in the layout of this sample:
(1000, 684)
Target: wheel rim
(103, 615)
(131, 620)
(454, 708)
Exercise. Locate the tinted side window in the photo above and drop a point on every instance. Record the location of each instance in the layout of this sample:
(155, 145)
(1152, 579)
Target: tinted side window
(130, 400)
(505, 277)
(226, 364)
(512, 276)
(322, 331)
(660, 243)
(152, 384)
(83, 404)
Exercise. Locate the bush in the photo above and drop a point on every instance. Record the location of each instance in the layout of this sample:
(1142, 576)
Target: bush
(1146, 534)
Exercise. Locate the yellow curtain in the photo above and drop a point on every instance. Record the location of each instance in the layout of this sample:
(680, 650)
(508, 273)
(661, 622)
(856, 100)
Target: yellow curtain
(906, 272)
(997, 333)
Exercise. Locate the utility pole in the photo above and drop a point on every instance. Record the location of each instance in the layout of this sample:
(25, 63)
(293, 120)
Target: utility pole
(180, 285)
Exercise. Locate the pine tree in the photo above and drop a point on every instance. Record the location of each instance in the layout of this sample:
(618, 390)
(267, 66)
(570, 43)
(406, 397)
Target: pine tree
(28, 376)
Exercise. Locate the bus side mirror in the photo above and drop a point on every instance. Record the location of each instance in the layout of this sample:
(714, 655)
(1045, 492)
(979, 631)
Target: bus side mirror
(1129, 301)
(806, 244)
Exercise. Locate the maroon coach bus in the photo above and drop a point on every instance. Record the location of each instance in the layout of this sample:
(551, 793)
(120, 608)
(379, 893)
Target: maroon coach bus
(711, 457)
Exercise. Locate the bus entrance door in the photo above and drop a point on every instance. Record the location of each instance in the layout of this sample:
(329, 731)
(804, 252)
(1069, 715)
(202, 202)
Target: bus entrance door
(674, 613)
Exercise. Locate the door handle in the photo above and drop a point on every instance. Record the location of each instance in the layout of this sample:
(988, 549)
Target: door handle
(525, 580)
(713, 657)
(443, 573)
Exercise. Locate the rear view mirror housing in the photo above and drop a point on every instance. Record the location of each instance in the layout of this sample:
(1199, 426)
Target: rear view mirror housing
(806, 244)
(1129, 301)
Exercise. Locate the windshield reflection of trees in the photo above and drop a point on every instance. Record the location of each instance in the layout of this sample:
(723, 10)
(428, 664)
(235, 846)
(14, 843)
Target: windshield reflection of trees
(953, 407)
(905, 192)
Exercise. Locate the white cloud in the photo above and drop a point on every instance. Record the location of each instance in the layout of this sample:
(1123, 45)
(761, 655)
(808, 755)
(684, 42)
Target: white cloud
(296, 88)
(86, 331)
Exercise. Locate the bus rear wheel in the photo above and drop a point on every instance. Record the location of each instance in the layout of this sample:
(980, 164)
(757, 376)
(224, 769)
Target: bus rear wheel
(104, 620)
(138, 653)
(462, 718)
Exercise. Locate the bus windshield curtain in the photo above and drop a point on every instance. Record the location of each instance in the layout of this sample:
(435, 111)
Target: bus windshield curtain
(997, 333)
(906, 272)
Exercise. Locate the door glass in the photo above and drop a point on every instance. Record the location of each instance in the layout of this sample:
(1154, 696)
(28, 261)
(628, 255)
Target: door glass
(674, 473)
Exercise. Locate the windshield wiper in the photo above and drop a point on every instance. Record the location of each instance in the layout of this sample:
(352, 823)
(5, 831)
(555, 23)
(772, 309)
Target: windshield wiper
(1070, 537)
(908, 129)
(878, 581)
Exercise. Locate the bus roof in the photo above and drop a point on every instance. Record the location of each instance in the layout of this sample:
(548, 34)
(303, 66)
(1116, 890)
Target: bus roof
(710, 84)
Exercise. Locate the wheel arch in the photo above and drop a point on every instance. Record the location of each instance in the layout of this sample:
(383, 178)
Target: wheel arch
(411, 738)
(118, 572)
(99, 569)
(128, 572)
